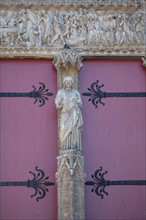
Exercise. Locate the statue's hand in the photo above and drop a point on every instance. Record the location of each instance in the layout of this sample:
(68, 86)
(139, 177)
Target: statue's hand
(59, 103)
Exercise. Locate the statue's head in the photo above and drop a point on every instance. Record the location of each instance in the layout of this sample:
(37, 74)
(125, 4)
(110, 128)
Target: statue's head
(68, 80)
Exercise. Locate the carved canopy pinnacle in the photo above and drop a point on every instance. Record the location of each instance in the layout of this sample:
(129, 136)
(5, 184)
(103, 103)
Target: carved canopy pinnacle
(67, 57)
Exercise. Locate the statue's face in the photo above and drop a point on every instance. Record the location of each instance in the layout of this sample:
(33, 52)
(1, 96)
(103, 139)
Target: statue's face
(68, 83)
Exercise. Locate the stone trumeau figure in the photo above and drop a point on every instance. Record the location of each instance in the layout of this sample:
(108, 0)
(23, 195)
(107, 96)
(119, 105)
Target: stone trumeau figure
(68, 102)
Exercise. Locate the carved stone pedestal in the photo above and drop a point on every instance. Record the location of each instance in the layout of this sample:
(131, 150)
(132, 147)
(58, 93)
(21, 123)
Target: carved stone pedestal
(70, 181)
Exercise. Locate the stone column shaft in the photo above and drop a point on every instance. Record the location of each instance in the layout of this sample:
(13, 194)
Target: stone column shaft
(70, 173)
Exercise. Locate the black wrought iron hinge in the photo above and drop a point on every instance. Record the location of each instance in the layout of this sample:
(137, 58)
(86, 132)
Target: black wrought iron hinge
(40, 95)
(96, 94)
(38, 183)
(99, 183)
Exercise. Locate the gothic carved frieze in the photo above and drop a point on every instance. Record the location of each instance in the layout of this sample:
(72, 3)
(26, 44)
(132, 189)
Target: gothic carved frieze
(27, 31)
(95, 3)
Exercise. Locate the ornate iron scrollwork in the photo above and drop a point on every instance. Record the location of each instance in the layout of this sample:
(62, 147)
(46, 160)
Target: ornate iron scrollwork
(96, 95)
(41, 95)
(99, 183)
(38, 183)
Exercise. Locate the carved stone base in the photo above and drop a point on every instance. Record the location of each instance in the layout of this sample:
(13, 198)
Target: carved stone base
(70, 180)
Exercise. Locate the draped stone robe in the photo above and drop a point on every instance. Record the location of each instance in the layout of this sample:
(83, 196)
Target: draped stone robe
(71, 123)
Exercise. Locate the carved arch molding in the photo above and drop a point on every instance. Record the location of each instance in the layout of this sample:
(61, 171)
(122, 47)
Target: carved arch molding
(94, 28)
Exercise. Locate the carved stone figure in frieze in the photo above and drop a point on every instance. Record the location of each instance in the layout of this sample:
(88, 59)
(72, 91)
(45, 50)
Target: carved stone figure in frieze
(3, 21)
(10, 31)
(68, 102)
(29, 27)
(57, 28)
(41, 25)
(66, 25)
(48, 29)
(127, 36)
(138, 28)
(112, 28)
(106, 30)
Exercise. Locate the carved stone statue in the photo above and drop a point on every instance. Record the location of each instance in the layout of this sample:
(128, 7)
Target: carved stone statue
(68, 102)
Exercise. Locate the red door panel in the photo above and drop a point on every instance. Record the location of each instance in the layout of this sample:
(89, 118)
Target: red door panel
(28, 138)
(114, 137)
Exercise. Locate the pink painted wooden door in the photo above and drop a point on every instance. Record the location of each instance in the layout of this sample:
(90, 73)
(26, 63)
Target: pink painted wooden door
(28, 138)
(114, 137)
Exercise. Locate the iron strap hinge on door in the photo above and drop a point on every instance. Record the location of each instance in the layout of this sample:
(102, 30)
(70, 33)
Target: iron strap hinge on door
(40, 95)
(99, 183)
(38, 183)
(96, 94)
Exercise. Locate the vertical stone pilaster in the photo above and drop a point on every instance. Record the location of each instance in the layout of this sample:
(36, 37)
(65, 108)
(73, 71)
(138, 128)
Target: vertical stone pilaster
(70, 181)
(70, 172)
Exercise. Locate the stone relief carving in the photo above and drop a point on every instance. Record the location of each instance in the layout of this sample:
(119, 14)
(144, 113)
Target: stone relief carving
(40, 28)
(81, 2)
(29, 28)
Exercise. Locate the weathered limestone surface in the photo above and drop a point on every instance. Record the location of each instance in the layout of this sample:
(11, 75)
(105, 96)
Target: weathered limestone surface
(94, 28)
(70, 181)
(70, 173)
